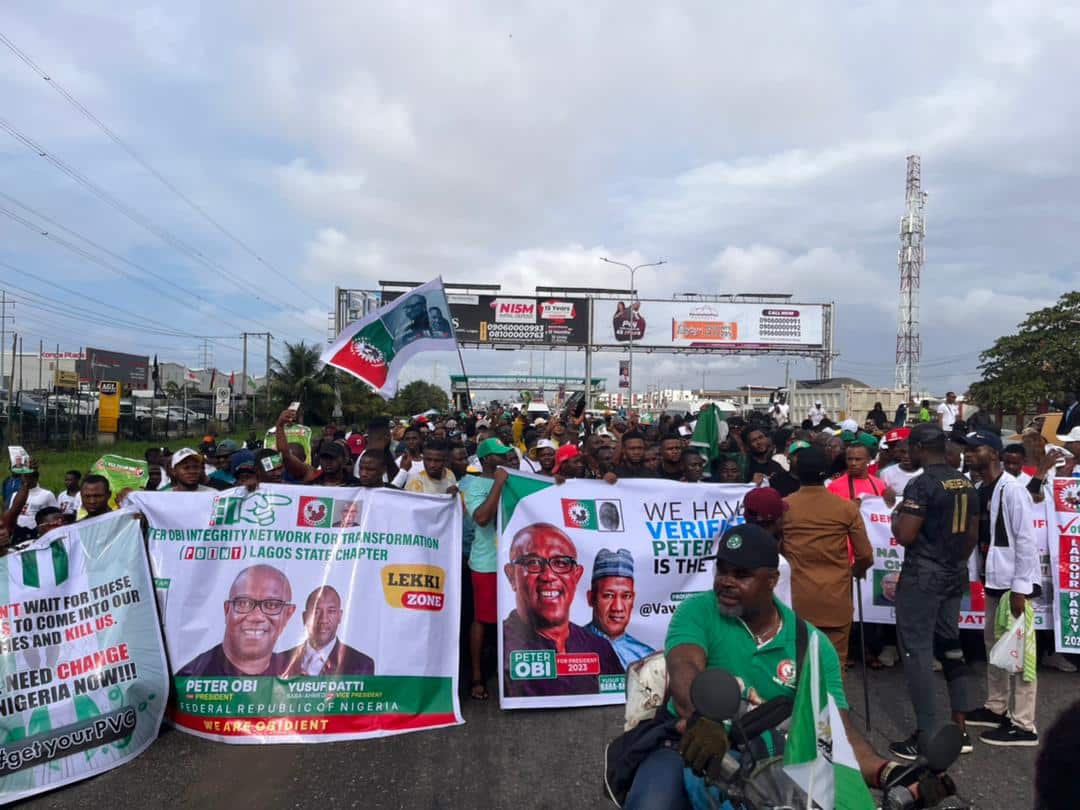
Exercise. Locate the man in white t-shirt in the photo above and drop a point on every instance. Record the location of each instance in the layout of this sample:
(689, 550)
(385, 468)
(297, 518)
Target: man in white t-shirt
(38, 498)
(69, 499)
(817, 414)
(947, 412)
(896, 476)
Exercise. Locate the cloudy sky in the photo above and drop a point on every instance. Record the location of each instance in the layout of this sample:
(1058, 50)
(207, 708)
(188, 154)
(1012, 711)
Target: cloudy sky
(751, 145)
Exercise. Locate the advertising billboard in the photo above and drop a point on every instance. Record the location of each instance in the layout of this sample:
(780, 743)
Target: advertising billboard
(131, 370)
(513, 319)
(707, 324)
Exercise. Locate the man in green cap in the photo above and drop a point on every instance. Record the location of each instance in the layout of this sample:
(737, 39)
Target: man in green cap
(482, 503)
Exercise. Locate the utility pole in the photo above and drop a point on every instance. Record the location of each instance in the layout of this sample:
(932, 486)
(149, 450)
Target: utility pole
(4, 304)
(243, 376)
(910, 259)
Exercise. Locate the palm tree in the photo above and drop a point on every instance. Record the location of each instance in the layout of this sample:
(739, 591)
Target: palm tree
(300, 378)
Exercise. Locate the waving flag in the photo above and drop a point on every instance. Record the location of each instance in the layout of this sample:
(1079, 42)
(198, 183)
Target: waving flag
(818, 756)
(375, 348)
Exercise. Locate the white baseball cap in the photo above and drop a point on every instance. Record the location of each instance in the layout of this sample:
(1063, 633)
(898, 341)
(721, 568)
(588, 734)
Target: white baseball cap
(183, 453)
(1072, 436)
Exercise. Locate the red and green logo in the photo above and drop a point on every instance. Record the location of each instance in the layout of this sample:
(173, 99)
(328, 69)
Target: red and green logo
(579, 514)
(368, 354)
(315, 513)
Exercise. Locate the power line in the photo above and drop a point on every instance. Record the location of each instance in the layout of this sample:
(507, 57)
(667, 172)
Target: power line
(142, 162)
(90, 257)
(165, 236)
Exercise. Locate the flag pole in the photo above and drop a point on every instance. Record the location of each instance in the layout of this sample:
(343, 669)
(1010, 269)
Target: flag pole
(468, 393)
(862, 645)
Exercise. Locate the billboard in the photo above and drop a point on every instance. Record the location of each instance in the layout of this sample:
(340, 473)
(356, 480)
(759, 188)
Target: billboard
(489, 320)
(707, 324)
(131, 370)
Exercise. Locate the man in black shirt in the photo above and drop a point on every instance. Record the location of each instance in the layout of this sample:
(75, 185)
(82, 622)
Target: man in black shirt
(937, 523)
(759, 461)
(671, 450)
(632, 463)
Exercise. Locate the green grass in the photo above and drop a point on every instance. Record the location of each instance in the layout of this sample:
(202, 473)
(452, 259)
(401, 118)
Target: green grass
(54, 463)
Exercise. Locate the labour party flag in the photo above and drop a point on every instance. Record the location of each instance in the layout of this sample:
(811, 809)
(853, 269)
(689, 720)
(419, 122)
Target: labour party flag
(376, 347)
(818, 756)
(579, 514)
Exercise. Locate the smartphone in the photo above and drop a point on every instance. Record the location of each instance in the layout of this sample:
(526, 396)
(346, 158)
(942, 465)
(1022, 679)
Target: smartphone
(294, 406)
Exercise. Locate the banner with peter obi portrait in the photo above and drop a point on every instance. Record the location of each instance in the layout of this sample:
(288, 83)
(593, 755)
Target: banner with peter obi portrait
(879, 588)
(307, 614)
(590, 574)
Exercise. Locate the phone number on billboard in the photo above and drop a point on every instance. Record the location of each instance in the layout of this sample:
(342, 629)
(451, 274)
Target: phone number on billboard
(780, 327)
(513, 332)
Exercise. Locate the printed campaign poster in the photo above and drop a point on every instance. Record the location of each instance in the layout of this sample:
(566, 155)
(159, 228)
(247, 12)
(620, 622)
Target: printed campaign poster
(83, 681)
(590, 575)
(308, 614)
(879, 588)
(1065, 564)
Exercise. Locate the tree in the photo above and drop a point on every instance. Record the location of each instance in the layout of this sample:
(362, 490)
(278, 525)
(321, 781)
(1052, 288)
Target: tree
(174, 390)
(359, 403)
(1040, 360)
(300, 378)
(417, 397)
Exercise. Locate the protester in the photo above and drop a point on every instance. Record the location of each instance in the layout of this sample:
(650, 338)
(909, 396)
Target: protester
(1009, 566)
(897, 475)
(432, 477)
(95, 493)
(333, 457)
(817, 414)
(36, 497)
(947, 413)
(760, 465)
(68, 499)
(269, 466)
(739, 626)
(693, 466)
(937, 523)
(543, 453)
(1070, 417)
(729, 472)
(817, 525)
(568, 463)
(187, 473)
(244, 469)
(856, 482)
(221, 477)
(481, 504)
(631, 463)
(878, 416)
(671, 466)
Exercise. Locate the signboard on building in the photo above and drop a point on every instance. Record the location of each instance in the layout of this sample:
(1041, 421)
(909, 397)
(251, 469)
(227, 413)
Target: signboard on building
(108, 406)
(708, 324)
(221, 403)
(487, 320)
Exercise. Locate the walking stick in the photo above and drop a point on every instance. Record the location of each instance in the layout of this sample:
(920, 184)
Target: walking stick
(862, 645)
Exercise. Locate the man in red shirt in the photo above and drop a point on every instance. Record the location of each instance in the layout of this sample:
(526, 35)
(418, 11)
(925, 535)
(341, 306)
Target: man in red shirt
(857, 482)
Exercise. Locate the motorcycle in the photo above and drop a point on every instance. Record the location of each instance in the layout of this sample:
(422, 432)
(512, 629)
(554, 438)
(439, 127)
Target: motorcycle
(750, 775)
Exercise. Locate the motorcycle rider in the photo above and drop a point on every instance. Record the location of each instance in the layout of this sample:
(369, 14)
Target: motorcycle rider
(741, 627)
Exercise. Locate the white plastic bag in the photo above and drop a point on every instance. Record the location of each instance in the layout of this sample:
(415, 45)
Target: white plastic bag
(1008, 651)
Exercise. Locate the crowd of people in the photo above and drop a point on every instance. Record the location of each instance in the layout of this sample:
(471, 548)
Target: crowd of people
(956, 489)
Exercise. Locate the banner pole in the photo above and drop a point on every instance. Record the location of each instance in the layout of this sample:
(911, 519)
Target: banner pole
(862, 656)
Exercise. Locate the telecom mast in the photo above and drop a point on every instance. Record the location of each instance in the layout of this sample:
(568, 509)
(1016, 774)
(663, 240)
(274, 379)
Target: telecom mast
(910, 260)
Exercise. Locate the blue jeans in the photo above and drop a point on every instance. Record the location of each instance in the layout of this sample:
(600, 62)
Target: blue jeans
(658, 783)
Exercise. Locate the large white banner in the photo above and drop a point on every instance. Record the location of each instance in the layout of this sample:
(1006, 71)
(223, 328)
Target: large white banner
(707, 324)
(307, 614)
(651, 540)
(83, 681)
(879, 588)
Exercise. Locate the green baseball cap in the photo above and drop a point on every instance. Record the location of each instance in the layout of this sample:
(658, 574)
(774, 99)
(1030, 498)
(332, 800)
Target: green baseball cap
(492, 447)
(798, 445)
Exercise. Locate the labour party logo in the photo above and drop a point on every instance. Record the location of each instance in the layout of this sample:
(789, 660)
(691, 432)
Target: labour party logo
(785, 672)
(597, 516)
(734, 542)
(315, 513)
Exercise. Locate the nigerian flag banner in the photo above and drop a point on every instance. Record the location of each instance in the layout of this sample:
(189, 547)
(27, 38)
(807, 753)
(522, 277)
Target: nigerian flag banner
(375, 348)
(818, 756)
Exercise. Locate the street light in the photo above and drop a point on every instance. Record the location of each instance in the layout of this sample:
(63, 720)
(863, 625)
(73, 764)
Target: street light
(633, 317)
